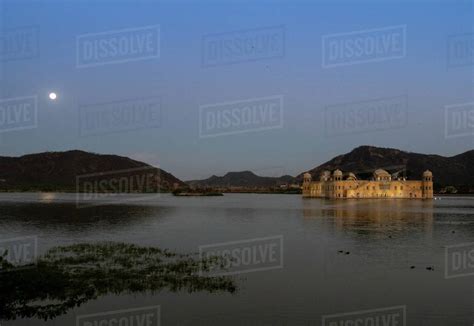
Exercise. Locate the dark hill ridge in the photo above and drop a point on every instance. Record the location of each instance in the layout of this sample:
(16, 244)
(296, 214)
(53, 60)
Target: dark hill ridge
(58, 170)
(455, 170)
(245, 179)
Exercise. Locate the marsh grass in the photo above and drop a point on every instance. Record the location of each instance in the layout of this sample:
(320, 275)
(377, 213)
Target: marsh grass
(67, 277)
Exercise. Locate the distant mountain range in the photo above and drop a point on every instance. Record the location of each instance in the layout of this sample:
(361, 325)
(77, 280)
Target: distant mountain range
(59, 170)
(244, 179)
(457, 171)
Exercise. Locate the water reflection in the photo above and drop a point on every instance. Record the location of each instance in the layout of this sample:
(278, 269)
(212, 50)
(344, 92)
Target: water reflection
(47, 197)
(72, 220)
(371, 216)
(67, 277)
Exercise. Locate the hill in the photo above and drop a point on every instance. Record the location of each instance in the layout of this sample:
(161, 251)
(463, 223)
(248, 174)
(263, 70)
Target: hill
(457, 171)
(60, 170)
(243, 179)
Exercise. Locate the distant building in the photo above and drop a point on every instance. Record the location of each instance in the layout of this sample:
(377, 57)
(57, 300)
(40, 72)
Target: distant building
(381, 185)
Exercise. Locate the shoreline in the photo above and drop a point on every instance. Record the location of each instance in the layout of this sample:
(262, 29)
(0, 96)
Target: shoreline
(214, 194)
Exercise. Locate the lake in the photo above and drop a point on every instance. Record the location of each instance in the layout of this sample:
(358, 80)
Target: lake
(327, 257)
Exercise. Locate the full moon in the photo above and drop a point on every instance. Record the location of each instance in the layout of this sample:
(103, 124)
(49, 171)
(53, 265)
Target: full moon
(52, 96)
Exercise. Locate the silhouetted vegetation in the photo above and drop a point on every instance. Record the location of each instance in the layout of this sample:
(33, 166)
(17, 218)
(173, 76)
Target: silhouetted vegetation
(67, 277)
(197, 192)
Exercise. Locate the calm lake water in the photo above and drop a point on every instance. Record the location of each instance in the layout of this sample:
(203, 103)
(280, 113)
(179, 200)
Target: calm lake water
(380, 241)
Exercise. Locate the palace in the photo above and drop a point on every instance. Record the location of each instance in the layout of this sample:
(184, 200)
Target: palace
(336, 185)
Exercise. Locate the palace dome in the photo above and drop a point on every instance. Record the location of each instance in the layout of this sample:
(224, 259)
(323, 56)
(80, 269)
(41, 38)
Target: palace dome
(337, 173)
(351, 176)
(381, 173)
(427, 173)
(325, 175)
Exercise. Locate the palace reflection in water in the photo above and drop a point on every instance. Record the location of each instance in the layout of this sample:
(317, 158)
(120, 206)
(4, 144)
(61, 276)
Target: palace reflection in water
(372, 215)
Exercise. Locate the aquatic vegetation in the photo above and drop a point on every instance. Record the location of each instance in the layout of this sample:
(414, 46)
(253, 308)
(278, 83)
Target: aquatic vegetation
(188, 192)
(66, 277)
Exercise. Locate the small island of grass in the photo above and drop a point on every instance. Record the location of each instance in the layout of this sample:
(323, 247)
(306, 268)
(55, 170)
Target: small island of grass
(196, 192)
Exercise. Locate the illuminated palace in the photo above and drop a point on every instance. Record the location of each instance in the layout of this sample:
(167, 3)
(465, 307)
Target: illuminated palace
(336, 185)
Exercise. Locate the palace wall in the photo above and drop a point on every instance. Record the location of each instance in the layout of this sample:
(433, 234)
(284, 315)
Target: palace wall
(369, 188)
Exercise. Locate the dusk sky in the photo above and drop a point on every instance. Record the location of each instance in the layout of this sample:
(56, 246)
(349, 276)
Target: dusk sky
(422, 79)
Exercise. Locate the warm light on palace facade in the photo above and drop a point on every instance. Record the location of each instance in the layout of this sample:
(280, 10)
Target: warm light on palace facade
(381, 185)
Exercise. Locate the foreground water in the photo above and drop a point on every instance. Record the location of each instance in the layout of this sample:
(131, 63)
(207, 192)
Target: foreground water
(336, 256)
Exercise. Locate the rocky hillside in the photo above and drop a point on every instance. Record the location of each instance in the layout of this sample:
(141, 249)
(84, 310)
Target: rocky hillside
(245, 179)
(59, 170)
(455, 171)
